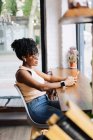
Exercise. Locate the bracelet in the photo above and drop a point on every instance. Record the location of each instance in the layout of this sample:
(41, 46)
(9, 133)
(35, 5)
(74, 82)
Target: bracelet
(62, 84)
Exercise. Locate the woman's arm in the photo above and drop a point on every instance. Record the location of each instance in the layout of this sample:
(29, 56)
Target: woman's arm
(50, 78)
(25, 77)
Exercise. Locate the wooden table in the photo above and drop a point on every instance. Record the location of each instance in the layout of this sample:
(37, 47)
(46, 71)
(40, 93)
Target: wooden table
(80, 93)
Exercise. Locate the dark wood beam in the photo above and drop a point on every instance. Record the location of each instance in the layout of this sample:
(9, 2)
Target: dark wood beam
(43, 35)
(13, 118)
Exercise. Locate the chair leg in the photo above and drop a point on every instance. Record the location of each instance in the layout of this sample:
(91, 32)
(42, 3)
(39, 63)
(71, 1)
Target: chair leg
(33, 132)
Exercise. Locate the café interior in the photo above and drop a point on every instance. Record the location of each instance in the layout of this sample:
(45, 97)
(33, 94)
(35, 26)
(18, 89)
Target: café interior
(63, 31)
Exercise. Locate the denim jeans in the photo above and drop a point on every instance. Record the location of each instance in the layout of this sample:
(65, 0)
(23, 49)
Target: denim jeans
(42, 108)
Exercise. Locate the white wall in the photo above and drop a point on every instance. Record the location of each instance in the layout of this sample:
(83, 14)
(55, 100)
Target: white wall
(68, 35)
(68, 40)
(52, 35)
(59, 38)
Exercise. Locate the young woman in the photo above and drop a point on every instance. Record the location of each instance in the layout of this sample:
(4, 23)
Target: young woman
(33, 83)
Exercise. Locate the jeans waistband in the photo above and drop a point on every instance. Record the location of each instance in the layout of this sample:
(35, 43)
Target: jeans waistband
(39, 99)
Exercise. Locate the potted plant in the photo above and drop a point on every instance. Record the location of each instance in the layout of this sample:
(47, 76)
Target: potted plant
(72, 57)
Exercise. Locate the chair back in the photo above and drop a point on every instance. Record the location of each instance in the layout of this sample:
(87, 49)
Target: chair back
(32, 122)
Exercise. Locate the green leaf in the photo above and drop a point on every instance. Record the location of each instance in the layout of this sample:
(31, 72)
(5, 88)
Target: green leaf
(11, 6)
(27, 7)
(1, 3)
(37, 40)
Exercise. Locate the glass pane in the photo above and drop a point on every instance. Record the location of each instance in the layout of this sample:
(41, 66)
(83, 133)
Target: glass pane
(87, 50)
(23, 20)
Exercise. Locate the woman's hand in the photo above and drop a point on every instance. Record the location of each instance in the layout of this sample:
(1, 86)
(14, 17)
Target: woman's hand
(70, 81)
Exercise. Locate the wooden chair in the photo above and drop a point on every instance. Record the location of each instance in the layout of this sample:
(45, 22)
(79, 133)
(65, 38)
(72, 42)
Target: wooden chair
(31, 121)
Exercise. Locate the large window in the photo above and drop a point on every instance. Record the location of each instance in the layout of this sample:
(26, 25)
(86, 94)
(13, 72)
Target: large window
(85, 48)
(24, 22)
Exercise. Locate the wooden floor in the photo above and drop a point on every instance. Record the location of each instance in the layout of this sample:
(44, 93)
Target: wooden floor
(12, 112)
(13, 120)
(15, 133)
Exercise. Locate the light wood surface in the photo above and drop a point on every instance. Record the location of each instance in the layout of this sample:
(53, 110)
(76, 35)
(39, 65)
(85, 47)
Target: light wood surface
(80, 93)
(76, 115)
(56, 133)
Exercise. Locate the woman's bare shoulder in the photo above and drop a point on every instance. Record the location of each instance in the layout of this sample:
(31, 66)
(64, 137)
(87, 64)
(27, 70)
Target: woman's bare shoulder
(21, 74)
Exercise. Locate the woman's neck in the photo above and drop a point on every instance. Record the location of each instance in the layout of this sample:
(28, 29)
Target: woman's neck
(26, 65)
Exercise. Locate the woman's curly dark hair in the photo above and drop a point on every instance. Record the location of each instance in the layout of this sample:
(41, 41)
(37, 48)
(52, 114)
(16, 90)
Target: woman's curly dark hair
(24, 47)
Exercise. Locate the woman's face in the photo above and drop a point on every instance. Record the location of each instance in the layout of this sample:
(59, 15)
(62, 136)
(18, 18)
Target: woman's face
(32, 60)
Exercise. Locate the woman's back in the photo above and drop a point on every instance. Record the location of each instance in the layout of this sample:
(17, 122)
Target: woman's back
(30, 93)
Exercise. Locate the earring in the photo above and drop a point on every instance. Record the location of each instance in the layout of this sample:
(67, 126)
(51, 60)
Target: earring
(24, 59)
